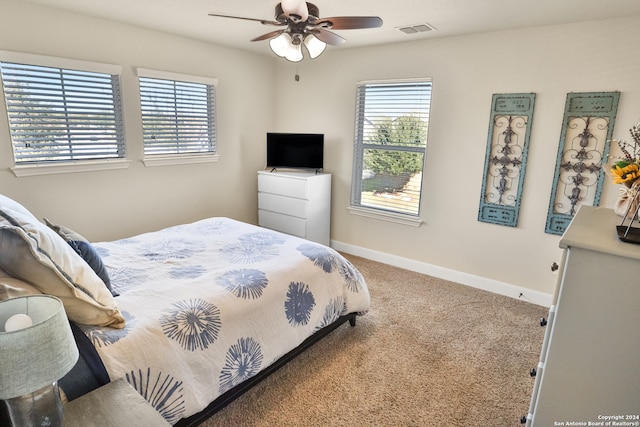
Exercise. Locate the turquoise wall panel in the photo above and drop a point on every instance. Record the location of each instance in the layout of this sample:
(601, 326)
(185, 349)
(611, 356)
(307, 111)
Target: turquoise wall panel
(587, 128)
(506, 158)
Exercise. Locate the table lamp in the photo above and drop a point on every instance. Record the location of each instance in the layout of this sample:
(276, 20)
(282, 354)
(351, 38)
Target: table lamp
(37, 348)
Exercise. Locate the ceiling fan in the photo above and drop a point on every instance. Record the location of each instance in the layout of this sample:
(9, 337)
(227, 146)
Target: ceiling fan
(301, 24)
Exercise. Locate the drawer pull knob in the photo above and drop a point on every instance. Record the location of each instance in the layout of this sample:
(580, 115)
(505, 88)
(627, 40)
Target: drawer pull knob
(543, 321)
(554, 266)
(533, 372)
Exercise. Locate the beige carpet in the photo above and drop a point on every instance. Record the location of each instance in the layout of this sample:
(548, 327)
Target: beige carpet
(428, 353)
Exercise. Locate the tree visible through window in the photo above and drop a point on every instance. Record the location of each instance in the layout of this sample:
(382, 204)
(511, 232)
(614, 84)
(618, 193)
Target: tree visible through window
(62, 115)
(178, 117)
(391, 135)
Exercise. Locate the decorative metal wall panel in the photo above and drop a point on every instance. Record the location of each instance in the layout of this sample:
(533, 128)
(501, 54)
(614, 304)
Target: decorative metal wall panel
(586, 129)
(506, 158)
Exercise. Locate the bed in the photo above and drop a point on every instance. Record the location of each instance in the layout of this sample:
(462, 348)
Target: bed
(192, 315)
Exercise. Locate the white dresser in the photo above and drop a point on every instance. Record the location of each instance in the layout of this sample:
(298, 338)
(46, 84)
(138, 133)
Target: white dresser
(589, 366)
(297, 203)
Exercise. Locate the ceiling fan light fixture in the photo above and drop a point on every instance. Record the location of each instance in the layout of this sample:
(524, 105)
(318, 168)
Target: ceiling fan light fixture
(287, 47)
(295, 9)
(280, 45)
(294, 53)
(314, 46)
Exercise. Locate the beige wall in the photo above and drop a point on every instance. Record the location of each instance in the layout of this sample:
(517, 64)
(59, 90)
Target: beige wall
(466, 71)
(258, 93)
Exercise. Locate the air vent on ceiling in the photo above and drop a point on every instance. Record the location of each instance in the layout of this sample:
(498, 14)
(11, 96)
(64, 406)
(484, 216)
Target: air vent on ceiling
(414, 29)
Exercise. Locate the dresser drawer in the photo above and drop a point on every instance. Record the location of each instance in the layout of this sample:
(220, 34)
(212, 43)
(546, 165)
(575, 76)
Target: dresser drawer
(296, 203)
(283, 204)
(284, 223)
(282, 185)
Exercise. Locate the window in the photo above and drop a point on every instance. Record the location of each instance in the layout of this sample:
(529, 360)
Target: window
(390, 140)
(61, 115)
(178, 114)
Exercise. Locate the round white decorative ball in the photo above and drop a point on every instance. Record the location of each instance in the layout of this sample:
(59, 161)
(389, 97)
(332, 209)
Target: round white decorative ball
(17, 321)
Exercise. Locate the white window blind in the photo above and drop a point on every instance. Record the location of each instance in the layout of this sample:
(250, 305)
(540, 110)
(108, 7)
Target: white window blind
(178, 117)
(392, 119)
(60, 115)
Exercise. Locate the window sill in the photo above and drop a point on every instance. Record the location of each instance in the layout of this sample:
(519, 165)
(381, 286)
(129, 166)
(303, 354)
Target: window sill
(68, 167)
(386, 216)
(179, 159)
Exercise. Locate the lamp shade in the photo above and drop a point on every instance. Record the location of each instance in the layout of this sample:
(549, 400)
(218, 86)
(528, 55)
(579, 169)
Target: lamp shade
(37, 355)
(314, 46)
(294, 53)
(280, 45)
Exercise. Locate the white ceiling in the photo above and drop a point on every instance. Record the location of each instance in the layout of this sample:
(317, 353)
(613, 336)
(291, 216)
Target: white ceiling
(449, 17)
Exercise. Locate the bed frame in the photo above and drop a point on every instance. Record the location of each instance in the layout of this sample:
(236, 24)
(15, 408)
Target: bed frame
(245, 386)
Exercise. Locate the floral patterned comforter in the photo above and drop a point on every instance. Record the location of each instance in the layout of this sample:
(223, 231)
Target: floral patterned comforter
(212, 303)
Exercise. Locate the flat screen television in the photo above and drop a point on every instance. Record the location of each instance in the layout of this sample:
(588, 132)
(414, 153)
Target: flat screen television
(295, 150)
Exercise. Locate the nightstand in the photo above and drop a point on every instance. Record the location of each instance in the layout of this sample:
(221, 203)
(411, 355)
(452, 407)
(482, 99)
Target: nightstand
(115, 404)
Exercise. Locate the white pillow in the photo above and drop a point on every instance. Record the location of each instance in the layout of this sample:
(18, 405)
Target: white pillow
(31, 251)
(10, 287)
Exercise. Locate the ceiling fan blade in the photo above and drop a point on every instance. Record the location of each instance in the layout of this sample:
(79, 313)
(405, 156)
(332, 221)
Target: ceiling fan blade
(350, 22)
(270, 35)
(327, 36)
(262, 21)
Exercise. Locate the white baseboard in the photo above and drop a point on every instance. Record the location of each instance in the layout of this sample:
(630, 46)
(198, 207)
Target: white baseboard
(513, 291)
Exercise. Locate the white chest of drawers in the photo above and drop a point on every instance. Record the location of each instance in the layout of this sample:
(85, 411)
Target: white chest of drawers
(297, 203)
(589, 366)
